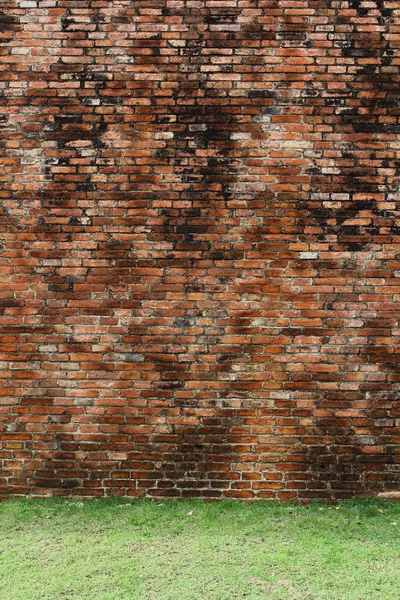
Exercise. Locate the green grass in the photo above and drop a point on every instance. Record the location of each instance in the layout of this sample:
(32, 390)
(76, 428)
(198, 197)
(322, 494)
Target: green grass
(57, 549)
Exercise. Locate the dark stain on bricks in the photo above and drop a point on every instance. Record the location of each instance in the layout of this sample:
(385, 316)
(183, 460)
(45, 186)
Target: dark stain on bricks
(9, 23)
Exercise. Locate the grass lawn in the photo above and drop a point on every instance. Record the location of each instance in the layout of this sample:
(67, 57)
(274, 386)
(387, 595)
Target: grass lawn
(58, 549)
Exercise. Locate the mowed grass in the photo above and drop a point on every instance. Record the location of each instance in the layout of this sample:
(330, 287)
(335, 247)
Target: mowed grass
(58, 549)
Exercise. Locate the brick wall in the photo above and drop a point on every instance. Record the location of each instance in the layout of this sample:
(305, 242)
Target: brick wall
(200, 248)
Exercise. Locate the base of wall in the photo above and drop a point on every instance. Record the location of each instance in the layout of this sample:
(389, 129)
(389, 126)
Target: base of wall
(391, 495)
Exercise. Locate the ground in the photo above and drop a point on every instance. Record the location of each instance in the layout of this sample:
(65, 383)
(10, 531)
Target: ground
(116, 549)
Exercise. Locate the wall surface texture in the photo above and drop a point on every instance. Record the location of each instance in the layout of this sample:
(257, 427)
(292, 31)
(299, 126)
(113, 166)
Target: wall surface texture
(200, 248)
